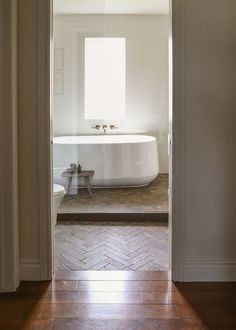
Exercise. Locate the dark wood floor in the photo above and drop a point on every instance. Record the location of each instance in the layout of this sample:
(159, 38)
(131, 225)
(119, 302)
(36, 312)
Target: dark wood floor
(118, 300)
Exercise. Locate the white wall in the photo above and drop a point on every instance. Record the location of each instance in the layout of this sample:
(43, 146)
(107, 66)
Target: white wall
(208, 117)
(147, 73)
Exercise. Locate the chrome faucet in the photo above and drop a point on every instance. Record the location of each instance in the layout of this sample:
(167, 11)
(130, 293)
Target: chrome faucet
(104, 127)
(113, 127)
(97, 127)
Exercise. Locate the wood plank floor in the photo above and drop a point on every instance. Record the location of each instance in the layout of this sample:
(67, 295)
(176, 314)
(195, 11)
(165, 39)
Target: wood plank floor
(97, 245)
(118, 300)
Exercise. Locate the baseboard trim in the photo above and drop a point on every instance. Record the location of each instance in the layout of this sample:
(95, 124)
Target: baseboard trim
(159, 217)
(30, 270)
(209, 270)
(6, 290)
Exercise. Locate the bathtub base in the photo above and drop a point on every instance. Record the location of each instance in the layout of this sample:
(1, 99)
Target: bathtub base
(97, 183)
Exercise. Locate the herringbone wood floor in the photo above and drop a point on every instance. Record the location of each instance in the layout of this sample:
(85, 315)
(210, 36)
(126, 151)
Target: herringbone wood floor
(111, 246)
(150, 199)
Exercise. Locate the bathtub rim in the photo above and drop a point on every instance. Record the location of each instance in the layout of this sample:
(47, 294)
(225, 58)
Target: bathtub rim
(144, 139)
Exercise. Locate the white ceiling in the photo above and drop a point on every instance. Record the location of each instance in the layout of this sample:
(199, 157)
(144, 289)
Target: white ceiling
(144, 7)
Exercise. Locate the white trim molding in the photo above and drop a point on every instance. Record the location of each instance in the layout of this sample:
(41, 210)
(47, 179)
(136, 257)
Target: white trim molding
(44, 137)
(30, 269)
(212, 270)
(177, 143)
(9, 249)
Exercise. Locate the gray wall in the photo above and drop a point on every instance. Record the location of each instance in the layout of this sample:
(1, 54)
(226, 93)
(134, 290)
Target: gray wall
(209, 103)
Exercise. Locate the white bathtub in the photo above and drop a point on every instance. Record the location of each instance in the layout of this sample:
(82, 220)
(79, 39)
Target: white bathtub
(118, 160)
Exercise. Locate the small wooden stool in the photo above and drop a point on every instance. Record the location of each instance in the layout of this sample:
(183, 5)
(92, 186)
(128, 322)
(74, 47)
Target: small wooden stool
(73, 172)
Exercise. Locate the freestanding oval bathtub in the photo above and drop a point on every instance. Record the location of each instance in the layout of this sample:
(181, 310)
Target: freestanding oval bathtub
(118, 160)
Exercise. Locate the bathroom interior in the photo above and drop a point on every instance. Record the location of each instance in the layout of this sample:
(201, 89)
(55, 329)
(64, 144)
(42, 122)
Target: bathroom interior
(110, 135)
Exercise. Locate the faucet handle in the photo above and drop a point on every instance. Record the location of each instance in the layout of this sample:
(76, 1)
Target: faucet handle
(113, 127)
(96, 127)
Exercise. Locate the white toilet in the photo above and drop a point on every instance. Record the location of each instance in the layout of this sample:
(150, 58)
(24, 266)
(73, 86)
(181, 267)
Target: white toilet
(58, 194)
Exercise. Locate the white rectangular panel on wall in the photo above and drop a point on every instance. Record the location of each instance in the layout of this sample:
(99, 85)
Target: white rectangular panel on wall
(105, 82)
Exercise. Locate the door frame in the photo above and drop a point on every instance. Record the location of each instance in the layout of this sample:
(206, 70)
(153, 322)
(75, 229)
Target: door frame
(45, 46)
(9, 247)
(177, 138)
(176, 147)
(9, 234)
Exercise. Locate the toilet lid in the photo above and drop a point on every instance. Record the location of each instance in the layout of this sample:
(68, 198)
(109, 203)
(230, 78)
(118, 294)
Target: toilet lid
(58, 190)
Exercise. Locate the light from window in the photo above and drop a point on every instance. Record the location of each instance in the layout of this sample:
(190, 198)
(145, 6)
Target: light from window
(105, 86)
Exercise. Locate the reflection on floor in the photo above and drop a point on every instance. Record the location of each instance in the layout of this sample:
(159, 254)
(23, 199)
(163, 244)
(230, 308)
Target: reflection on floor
(111, 246)
(150, 199)
(118, 301)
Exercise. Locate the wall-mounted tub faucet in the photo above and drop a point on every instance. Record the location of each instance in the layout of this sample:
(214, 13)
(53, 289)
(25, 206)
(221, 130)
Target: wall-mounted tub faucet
(113, 127)
(97, 127)
(104, 127)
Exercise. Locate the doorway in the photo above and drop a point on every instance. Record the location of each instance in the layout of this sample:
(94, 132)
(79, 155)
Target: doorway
(41, 268)
(112, 165)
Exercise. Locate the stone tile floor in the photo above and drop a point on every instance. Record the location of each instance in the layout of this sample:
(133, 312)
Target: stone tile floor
(150, 199)
(91, 245)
